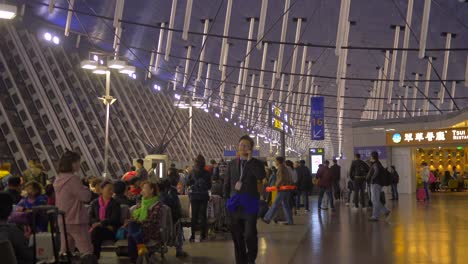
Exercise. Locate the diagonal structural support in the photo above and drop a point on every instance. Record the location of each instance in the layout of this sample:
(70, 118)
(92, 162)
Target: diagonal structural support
(170, 31)
(394, 61)
(448, 41)
(424, 28)
(247, 53)
(284, 29)
(426, 87)
(293, 66)
(404, 54)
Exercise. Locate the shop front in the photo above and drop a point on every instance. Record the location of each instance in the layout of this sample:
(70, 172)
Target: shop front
(440, 141)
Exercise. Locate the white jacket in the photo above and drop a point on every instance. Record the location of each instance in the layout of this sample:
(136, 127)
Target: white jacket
(425, 174)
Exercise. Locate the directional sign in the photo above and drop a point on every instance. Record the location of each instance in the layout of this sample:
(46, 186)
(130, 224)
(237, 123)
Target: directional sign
(317, 118)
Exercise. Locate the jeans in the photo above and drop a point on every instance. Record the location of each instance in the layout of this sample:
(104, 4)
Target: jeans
(281, 198)
(378, 208)
(348, 198)
(327, 190)
(305, 199)
(394, 191)
(336, 190)
(134, 237)
(199, 208)
(426, 188)
(359, 191)
(244, 234)
(180, 239)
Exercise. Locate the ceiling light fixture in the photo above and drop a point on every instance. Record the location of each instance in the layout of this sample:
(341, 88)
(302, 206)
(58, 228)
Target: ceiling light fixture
(100, 70)
(116, 64)
(48, 36)
(56, 40)
(7, 11)
(88, 64)
(128, 69)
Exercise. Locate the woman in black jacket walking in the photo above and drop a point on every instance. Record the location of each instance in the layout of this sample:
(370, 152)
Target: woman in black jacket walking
(199, 183)
(105, 217)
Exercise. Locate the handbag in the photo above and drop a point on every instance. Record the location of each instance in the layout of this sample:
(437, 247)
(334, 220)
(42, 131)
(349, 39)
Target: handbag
(121, 234)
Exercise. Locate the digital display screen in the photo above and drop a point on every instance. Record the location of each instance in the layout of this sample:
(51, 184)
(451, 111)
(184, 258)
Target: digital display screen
(315, 161)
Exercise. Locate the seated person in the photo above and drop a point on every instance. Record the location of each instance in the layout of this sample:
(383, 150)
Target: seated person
(24, 254)
(145, 223)
(134, 192)
(168, 195)
(14, 189)
(34, 198)
(120, 188)
(104, 217)
(95, 187)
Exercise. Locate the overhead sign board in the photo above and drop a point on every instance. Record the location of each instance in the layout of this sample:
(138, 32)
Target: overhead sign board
(317, 118)
(427, 137)
(280, 120)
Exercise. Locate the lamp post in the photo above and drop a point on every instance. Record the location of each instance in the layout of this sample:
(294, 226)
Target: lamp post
(107, 99)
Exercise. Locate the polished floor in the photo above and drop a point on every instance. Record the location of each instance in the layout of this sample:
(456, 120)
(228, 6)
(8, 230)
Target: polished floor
(416, 232)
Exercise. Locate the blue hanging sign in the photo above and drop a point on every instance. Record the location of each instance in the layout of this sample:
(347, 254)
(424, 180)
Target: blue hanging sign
(317, 118)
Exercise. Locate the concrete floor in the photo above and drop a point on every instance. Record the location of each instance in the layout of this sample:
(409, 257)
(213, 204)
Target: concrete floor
(416, 232)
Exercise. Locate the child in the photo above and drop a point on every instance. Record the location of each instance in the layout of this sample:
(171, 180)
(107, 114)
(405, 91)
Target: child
(34, 198)
(8, 232)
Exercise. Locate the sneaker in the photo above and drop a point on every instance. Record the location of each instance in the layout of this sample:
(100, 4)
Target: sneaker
(192, 239)
(387, 214)
(372, 219)
(324, 208)
(265, 221)
(347, 204)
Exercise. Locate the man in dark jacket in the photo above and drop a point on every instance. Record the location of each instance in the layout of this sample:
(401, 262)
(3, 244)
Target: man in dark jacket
(240, 188)
(14, 189)
(9, 232)
(325, 183)
(142, 173)
(357, 173)
(335, 171)
(304, 183)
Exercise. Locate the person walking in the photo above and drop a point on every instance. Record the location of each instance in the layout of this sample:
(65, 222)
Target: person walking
(425, 178)
(304, 184)
(240, 190)
(395, 180)
(199, 183)
(325, 184)
(335, 171)
(283, 178)
(358, 172)
(375, 175)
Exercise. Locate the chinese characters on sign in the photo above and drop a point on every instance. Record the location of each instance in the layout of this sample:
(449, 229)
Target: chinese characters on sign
(280, 121)
(448, 135)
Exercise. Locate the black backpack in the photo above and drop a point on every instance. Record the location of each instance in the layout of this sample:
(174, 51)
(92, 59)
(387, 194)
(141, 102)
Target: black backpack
(385, 177)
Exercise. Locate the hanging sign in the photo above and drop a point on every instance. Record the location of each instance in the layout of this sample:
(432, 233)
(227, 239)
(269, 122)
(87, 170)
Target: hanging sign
(317, 118)
(434, 136)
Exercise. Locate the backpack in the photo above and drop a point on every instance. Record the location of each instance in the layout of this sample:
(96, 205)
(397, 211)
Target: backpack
(385, 177)
(432, 178)
(361, 169)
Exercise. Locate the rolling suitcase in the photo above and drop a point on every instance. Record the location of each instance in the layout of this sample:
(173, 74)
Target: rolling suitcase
(39, 240)
(421, 194)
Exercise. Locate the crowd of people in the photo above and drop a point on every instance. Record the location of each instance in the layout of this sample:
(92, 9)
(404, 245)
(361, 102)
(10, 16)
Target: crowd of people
(249, 188)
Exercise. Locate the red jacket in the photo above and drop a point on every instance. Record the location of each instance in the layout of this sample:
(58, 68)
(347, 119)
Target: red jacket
(324, 176)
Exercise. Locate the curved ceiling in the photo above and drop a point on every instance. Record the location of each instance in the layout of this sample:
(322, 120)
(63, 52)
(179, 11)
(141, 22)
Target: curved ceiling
(370, 35)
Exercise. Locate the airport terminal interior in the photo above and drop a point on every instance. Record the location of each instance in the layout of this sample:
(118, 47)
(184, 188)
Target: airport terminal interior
(233, 131)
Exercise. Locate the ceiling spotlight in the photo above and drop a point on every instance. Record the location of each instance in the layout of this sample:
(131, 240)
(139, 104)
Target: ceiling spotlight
(134, 76)
(226, 119)
(206, 110)
(241, 126)
(252, 135)
(7, 11)
(56, 40)
(235, 124)
(95, 58)
(48, 36)
(116, 64)
(217, 115)
(157, 87)
(177, 96)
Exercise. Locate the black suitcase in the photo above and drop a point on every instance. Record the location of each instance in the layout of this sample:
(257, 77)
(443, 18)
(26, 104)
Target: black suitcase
(53, 214)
